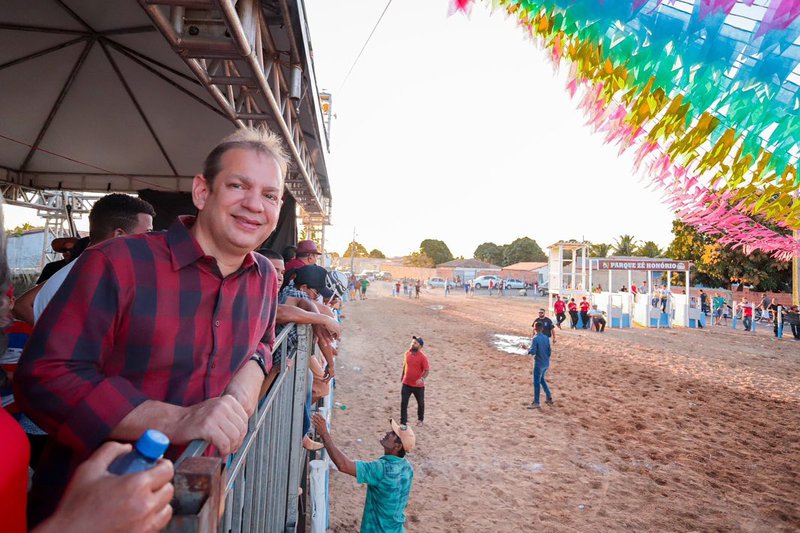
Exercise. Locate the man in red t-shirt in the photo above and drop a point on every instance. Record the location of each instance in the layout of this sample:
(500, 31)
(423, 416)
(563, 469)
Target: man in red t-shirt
(572, 307)
(415, 370)
(585, 305)
(747, 313)
(560, 308)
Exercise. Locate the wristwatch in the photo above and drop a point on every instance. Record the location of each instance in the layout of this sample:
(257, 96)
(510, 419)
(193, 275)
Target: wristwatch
(260, 360)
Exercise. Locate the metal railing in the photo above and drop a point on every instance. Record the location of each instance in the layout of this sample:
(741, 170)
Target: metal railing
(260, 485)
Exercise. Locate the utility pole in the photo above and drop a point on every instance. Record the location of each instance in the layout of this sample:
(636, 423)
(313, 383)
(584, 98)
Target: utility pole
(353, 253)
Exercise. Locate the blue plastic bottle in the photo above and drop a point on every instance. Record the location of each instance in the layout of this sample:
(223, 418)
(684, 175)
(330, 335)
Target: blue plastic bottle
(144, 456)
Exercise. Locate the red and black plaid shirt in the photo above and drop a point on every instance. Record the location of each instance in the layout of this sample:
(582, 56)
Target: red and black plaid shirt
(145, 317)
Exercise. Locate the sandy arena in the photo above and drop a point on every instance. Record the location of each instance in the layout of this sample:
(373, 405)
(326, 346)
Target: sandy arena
(652, 430)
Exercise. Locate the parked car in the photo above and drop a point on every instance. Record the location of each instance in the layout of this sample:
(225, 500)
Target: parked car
(543, 290)
(513, 283)
(439, 282)
(483, 281)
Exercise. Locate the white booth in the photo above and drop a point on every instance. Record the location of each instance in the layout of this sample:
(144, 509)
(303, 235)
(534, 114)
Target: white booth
(573, 274)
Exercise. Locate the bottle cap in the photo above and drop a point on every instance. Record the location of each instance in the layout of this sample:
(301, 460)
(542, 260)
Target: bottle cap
(152, 444)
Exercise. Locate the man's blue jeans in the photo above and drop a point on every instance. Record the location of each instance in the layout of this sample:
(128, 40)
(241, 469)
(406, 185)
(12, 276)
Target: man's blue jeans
(539, 383)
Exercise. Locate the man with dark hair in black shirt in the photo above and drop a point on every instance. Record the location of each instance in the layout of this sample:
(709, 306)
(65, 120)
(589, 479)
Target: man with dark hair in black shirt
(548, 328)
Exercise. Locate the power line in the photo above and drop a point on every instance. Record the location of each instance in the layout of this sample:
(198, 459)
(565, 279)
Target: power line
(365, 44)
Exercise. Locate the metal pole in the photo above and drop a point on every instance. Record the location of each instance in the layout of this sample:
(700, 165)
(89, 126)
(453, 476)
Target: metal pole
(796, 271)
(319, 512)
(353, 253)
(688, 299)
(574, 266)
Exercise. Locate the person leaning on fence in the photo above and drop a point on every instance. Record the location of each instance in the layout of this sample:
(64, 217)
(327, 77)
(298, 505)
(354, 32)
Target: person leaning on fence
(94, 500)
(170, 330)
(299, 309)
(388, 478)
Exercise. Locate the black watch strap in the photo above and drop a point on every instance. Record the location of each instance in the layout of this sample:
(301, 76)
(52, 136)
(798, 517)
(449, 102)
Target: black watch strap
(260, 360)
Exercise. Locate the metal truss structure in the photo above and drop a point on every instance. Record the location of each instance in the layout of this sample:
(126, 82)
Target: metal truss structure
(58, 209)
(232, 51)
(125, 96)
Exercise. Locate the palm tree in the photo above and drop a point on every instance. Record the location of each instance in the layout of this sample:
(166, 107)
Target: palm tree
(649, 249)
(625, 245)
(600, 250)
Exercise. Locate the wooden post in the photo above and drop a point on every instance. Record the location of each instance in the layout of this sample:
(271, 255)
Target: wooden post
(199, 486)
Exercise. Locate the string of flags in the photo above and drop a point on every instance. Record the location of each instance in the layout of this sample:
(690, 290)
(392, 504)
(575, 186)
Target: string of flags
(704, 93)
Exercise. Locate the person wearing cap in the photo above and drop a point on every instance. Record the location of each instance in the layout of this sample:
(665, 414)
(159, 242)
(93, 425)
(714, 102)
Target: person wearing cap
(415, 370)
(388, 478)
(311, 283)
(306, 253)
(63, 246)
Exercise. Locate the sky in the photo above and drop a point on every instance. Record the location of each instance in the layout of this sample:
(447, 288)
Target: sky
(459, 129)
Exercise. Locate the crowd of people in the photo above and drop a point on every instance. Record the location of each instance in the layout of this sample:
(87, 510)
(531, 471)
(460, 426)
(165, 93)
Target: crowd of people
(171, 330)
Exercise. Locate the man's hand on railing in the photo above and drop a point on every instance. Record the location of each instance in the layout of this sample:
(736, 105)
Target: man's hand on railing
(246, 386)
(220, 421)
(96, 500)
(333, 327)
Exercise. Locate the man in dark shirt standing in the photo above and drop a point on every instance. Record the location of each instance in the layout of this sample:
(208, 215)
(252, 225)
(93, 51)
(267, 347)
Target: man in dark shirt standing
(548, 328)
(162, 330)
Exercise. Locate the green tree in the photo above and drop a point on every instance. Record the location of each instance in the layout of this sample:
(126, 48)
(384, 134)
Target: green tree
(649, 249)
(418, 259)
(489, 252)
(19, 230)
(376, 254)
(625, 245)
(600, 250)
(360, 250)
(716, 265)
(522, 249)
(436, 250)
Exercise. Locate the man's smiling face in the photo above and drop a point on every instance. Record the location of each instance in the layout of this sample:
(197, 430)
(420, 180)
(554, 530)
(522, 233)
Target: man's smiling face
(241, 209)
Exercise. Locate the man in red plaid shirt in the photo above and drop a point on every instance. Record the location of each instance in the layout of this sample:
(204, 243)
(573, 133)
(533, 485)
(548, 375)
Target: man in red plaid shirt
(162, 330)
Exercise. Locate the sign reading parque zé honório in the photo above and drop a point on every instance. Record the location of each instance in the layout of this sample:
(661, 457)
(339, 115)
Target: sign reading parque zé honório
(671, 265)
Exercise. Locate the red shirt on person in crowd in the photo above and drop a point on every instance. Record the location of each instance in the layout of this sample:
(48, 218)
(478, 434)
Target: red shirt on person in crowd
(147, 317)
(585, 306)
(414, 365)
(15, 452)
(559, 306)
(572, 306)
(748, 309)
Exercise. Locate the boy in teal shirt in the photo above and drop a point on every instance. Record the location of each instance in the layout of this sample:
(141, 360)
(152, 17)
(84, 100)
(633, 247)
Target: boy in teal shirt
(388, 478)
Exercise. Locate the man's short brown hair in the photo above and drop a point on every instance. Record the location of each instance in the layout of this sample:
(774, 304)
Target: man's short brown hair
(260, 140)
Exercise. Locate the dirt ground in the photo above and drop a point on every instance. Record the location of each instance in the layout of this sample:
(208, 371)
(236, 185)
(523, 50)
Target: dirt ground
(652, 430)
